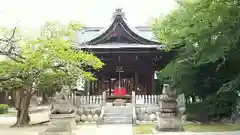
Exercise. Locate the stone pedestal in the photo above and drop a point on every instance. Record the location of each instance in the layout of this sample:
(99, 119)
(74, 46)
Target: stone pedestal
(63, 118)
(168, 123)
(168, 117)
(61, 124)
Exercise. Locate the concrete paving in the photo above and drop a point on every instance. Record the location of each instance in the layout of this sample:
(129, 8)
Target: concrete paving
(116, 129)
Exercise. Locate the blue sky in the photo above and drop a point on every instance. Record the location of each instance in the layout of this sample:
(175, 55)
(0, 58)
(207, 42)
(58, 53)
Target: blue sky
(33, 13)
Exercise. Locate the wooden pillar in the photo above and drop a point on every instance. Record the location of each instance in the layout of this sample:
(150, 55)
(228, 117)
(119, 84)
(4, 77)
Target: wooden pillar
(135, 81)
(149, 84)
(145, 82)
(102, 82)
(94, 88)
(97, 88)
(110, 85)
(91, 88)
(86, 87)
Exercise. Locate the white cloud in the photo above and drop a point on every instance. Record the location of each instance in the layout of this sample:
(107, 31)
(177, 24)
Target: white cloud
(90, 12)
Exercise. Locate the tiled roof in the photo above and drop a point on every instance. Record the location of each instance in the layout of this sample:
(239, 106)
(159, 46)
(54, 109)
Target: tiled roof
(88, 33)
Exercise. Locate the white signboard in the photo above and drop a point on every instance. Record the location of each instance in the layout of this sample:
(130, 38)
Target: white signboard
(80, 84)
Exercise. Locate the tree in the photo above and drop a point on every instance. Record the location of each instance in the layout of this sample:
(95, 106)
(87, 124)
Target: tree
(49, 56)
(206, 34)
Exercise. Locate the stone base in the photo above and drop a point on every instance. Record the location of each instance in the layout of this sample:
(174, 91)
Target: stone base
(169, 124)
(62, 128)
(56, 119)
(60, 124)
(157, 130)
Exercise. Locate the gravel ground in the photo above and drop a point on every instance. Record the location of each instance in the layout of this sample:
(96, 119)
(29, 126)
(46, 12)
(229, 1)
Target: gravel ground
(103, 130)
(5, 122)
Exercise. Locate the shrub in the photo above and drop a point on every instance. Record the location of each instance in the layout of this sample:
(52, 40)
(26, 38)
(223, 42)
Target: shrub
(197, 112)
(213, 108)
(3, 108)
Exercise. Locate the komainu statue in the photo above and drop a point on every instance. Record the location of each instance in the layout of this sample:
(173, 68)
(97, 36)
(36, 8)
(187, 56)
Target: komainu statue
(61, 103)
(62, 115)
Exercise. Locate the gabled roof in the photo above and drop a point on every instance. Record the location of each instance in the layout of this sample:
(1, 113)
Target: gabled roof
(140, 35)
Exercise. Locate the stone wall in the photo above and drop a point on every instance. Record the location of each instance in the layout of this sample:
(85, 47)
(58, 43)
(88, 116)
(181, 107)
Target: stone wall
(89, 108)
(146, 113)
(88, 113)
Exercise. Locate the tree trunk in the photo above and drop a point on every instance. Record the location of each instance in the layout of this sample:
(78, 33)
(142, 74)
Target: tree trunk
(22, 106)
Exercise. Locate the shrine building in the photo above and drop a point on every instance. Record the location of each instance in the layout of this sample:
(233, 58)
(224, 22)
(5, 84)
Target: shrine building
(131, 56)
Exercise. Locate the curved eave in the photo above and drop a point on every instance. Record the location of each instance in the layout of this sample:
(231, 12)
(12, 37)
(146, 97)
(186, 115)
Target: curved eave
(133, 32)
(118, 46)
(130, 31)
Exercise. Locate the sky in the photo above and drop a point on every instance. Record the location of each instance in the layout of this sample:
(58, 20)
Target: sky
(33, 13)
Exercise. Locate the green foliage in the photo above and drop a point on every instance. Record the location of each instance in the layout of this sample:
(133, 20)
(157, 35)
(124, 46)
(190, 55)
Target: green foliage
(205, 33)
(75, 25)
(215, 107)
(3, 108)
(49, 59)
(207, 28)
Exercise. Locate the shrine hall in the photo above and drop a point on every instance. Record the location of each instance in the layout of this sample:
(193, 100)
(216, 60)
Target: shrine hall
(131, 56)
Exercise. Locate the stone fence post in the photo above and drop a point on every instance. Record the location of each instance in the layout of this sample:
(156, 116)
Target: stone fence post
(134, 117)
(134, 98)
(104, 97)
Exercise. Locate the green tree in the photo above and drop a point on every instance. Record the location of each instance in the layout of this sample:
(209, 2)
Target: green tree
(33, 60)
(205, 34)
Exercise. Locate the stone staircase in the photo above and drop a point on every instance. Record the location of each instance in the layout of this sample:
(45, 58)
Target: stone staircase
(118, 114)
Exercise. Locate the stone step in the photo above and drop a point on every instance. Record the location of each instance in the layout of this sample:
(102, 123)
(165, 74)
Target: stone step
(118, 114)
(117, 120)
(119, 107)
(117, 110)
